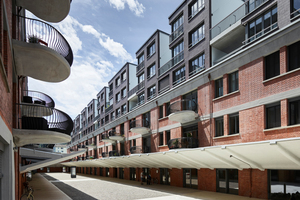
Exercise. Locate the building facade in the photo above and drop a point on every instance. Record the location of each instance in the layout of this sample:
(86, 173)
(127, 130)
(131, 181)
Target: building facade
(225, 114)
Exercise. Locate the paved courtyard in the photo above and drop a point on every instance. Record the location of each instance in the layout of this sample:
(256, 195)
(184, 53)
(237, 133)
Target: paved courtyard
(89, 187)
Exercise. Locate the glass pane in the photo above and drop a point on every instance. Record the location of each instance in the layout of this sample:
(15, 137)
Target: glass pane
(194, 178)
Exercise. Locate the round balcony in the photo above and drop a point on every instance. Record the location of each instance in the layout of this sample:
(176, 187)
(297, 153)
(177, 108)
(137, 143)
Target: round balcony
(114, 153)
(45, 54)
(183, 111)
(105, 138)
(42, 125)
(118, 136)
(34, 97)
(140, 126)
(104, 154)
(184, 142)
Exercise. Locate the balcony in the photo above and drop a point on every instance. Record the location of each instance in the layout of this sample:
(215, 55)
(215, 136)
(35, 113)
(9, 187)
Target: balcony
(180, 80)
(171, 63)
(45, 55)
(91, 145)
(140, 67)
(163, 90)
(184, 142)
(175, 34)
(105, 138)
(261, 33)
(115, 153)
(104, 154)
(139, 149)
(51, 11)
(38, 98)
(295, 14)
(109, 109)
(140, 86)
(196, 70)
(39, 124)
(183, 111)
(140, 126)
(96, 118)
(118, 136)
(151, 96)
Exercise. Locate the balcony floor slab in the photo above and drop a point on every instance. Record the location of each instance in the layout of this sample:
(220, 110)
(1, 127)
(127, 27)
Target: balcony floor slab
(183, 116)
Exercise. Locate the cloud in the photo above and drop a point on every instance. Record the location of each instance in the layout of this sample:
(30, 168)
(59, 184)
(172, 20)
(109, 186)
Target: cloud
(133, 5)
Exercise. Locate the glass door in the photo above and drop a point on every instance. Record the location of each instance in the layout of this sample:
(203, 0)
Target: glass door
(227, 181)
(121, 173)
(190, 178)
(165, 176)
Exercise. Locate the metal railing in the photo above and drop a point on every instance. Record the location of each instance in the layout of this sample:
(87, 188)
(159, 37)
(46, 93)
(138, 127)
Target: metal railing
(196, 70)
(114, 153)
(139, 123)
(139, 149)
(140, 66)
(136, 88)
(184, 104)
(164, 89)
(150, 76)
(115, 133)
(197, 40)
(176, 82)
(184, 142)
(260, 34)
(38, 98)
(151, 96)
(104, 154)
(150, 54)
(227, 21)
(97, 117)
(44, 34)
(105, 136)
(107, 110)
(175, 34)
(37, 117)
(196, 12)
(295, 14)
(171, 63)
(255, 4)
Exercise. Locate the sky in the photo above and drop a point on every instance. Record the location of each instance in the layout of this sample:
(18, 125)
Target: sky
(104, 35)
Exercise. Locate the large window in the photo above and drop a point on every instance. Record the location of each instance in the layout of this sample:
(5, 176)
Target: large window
(118, 97)
(293, 55)
(151, 92)
(151, 71)
(141, 98)
(253, 4)
(141, 78)
(179, 76)
(124, 108)
(273, 118)
(123, 76)
(294, 112)
(197, 64)
(234, 124)
(262, 24)
(161, 111)
(272, 65)
(123, 93)
(141, 59)
(118, 81)
(196, 35)
(179, 48)
(295, 6)
(195, 7)
(161, 138)
(219, 88)
(118, 112)
(151, 50)
(219, 127)
(177, 23)
(233, 82)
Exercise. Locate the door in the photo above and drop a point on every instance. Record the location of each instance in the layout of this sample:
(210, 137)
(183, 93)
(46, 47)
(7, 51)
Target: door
(190, 178)
(227, 181)
(121, 173)
(165, 176)
(95, 170)
(132, 174)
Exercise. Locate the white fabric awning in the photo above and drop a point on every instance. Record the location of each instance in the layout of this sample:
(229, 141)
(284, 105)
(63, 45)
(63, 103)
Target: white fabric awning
(272, 154)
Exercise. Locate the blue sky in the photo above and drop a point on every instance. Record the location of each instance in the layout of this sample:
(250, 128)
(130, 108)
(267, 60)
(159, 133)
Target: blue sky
(104, 35)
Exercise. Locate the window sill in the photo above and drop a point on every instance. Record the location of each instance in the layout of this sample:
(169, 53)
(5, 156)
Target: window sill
(227, 136)
(160, 119)
(281, 128)
(280, 75)
(226, 95)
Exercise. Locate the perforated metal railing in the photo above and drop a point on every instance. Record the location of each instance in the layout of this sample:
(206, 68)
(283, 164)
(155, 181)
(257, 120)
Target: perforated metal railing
(184, 142)
(184, 104)
(38, 98)
(139, 123)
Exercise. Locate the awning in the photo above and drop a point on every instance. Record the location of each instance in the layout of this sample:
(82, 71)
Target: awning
(272, 154)
(51, 161)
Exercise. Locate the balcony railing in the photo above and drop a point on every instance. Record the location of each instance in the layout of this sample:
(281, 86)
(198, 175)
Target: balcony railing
(227, 21)
(171, 63)
(193, 14)
(184, 142)
(295, 14)
(97, 117)
(40, 32)
(184, 104)
(175, 34)
(38, 98)
(196, 70)
(164, 89)
(261, 33)
(140, 67)
(139, 123)
(104, 154)
(139, 149)
(151, 96)
(37, 117)
(115, 153)
(140, 86)
(179, 81)
(107, 110)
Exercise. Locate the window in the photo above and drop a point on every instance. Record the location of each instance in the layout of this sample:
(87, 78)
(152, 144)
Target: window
(177, 23)
(123, 92)
(118, 81)
(234, 124)
(272, 65)
(273, 116)
(141, 59)
(219, 88)
(112, 116)
(118, 112)
(294, 112)
(179, 48)
(163, 84)
(111, 101)
(161, 111)
(161, 138)
(167, 108)
(102, 96)
(196, 35)
(233, 82)
(197, 64)
(179, 76)
(146, 119)
(195, 7)
(141, 98)
(151, 50)
(102, 109)
(151, 92)
(293, 56)
(111, 87)
(124, 109)
(118, 97)
(168, 136)
(123, 76)
(134, 142)
(177, 28)
(253, 4)
(262, 25)
(141, 78)
(219, 127)
(151, 71)
(295, 6)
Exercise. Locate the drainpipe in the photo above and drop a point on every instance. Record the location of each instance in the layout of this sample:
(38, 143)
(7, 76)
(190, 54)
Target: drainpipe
(157, 125)
(211, 110)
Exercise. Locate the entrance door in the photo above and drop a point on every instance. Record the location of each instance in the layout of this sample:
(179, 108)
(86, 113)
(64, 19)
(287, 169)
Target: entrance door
(190, 178)
(115, 172)
(164, 176)
(101, 171)
(146, 172)
(107, 172)
(227, 181)
(121, 173)
(95, 170)
(132, 174)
